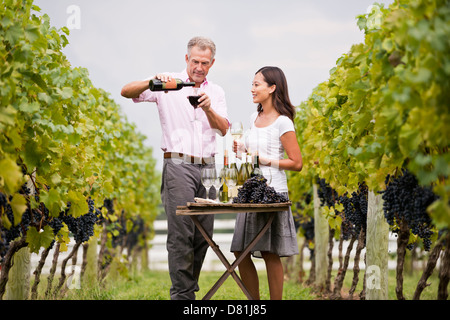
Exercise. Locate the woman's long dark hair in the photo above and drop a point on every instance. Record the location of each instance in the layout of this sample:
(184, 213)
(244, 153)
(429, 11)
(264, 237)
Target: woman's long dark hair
(280, 97)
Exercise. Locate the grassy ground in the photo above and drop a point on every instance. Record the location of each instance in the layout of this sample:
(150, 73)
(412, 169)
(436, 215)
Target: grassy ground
(155, 285)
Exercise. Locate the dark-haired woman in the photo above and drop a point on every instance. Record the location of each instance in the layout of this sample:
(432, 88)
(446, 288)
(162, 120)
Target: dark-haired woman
(272, 134)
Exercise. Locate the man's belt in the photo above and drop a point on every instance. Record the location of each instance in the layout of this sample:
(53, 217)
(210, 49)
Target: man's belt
(187, 158)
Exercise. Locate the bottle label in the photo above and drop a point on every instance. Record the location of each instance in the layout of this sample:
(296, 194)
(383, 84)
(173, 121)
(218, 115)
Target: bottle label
(172, 84)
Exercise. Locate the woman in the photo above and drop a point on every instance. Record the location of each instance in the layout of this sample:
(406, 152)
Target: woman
(272, 134)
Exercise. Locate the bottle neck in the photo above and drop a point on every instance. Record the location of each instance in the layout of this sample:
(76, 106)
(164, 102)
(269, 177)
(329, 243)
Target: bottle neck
(194, 84)
(225, 159)
(256, 161)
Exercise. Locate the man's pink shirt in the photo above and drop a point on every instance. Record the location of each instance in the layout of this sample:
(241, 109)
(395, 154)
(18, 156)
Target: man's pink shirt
(185, 129)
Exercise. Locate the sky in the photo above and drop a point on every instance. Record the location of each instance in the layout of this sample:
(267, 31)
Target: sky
(122, 41)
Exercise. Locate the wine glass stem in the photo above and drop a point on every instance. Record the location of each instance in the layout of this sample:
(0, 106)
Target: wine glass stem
(217, 194)
(207, 193)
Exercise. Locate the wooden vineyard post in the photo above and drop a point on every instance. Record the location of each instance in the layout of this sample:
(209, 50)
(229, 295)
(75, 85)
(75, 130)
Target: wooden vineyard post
(377, 255)
(321, 234)
(18, 286)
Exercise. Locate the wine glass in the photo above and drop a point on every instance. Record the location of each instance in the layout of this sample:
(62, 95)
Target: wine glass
(217, 183)
(207, 179)
(193, 100)
(231, 177)
(237, 130)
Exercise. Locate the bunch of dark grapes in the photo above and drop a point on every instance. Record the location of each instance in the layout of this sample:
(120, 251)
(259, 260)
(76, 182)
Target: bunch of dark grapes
(132, 236)
(307, 224)
(308, 228)
(119, 229)
(405, 200)
(109, 205)
(354, 216)
(12, 233)
(37, 218)
(327, 195)
(82, 227)
(5, 235)
(256, 190)
(15, 230)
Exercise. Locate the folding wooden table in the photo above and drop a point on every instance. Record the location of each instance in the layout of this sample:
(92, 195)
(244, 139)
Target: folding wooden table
(193, 209)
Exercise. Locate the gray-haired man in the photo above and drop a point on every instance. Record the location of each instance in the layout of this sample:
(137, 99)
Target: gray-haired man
(189, 145)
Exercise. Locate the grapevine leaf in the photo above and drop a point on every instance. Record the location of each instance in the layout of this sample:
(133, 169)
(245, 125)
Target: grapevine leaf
(36, 78)
(47, 237)
(18, 206)
(14, 33)
(33, 240)
(37, 239)
(52, 201)
(7, 115)
(32, 33)
(11, 174)
(78, 204)
(440, 210)
(32, 155)
(409, 139)
(63, 238)
(14, 139)
(65, 93)
(44, 97)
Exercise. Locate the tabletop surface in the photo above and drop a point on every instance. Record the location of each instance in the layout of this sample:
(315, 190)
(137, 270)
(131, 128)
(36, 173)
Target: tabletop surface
(194, 208)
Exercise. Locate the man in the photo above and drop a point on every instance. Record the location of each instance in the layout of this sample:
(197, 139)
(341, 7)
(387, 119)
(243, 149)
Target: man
(188, 143)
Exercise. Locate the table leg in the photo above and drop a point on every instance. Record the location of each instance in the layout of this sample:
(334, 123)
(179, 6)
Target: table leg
(230, 268)
(224, 260)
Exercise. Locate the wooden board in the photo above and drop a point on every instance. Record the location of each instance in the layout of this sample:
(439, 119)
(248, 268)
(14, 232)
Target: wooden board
(194, 208)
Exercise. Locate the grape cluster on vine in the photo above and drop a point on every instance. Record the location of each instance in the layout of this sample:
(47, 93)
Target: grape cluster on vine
(327, 195)
(405, 201)
(354, 215)
(15, 230)
(256, 190)
(82, 227)
(355, 212)
(307, 224)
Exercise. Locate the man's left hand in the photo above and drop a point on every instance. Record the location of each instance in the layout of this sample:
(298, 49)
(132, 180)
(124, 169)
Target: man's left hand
(205, 102)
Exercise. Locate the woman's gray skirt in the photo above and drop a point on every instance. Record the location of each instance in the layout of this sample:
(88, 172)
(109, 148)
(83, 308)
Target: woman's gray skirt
(280, 238)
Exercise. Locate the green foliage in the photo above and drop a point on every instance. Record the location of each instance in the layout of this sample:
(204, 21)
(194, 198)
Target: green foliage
(385, 105)
(59, 132)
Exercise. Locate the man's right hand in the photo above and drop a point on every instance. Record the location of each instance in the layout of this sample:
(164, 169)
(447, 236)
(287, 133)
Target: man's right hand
(163, 77)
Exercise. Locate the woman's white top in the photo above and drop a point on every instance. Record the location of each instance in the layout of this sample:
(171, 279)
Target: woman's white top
(267, 142)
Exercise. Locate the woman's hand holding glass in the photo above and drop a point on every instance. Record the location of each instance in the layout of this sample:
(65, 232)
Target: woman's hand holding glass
(237, 131)
(238, 148)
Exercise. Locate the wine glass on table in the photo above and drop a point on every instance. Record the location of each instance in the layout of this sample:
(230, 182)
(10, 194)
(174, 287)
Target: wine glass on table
(217, 183)
(207, 179)
(231, 175)
(237, 130)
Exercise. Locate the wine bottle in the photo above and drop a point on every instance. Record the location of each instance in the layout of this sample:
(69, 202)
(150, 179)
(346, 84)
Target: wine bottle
(244, 173)
(173, 84)
(256, 170)
(249, 164)
(223, 195)
(233, 191)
